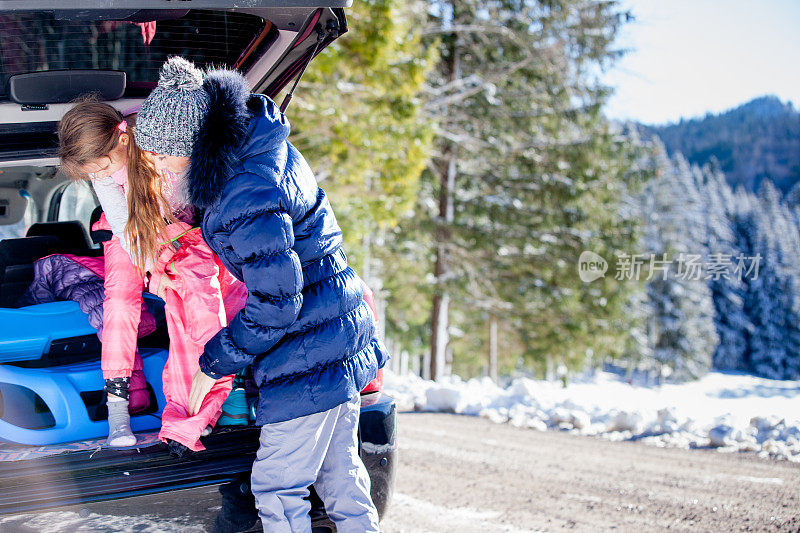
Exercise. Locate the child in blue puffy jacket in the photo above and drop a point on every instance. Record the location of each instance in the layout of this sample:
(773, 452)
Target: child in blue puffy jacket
(305, 328)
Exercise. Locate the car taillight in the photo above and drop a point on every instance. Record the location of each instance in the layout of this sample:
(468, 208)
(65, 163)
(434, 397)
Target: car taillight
(376, 384)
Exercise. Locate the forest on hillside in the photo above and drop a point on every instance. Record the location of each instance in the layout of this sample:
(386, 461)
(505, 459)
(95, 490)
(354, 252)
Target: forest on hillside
(756, 141)
(729, 295)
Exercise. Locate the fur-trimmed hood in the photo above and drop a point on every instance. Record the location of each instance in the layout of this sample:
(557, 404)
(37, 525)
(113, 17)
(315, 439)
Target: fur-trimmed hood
(238, 125)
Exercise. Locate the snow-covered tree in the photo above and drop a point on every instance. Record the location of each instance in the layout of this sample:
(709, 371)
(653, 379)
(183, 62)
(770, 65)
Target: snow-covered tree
(773, 296)
(681, 326)
(727, 289)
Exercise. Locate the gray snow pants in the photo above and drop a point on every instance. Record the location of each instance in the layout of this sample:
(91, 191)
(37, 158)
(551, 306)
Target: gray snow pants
(319, 449)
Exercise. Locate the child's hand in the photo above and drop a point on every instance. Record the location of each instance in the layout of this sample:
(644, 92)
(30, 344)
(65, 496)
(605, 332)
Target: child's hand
(201, 386)
(164, 284)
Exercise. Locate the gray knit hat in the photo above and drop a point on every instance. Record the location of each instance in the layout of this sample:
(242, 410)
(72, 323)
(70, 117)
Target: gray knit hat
(170, 117)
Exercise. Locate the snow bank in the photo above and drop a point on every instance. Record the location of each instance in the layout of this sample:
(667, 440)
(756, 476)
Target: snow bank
(730, 412)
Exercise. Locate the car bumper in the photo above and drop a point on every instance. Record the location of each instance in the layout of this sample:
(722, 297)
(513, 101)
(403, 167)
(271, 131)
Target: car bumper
(86, 481)
(378, 437)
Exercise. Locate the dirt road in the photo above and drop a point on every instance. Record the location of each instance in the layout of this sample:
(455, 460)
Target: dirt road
(470, 475)
(464, 475)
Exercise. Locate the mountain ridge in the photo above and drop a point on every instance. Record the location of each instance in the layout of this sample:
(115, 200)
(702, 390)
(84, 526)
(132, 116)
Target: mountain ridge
(757, 140)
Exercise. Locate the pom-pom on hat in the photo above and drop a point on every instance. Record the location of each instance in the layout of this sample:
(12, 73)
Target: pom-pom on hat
(170, 117)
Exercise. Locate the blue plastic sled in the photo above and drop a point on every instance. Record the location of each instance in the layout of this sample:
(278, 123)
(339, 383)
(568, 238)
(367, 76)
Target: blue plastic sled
(40, 406)
(26, 333)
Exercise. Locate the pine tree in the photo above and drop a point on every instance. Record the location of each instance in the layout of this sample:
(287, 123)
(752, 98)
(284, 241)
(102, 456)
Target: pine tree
(681, 327)
(357, 118)
(745, 232)
(727, 289)
(526, 174)
(773, 295)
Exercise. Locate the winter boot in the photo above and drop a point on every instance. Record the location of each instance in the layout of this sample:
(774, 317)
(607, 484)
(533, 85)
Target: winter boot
(178, 450)
(234, 410)
(238, 511)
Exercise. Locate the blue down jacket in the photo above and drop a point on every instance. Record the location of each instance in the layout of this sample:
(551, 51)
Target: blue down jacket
(305, 327)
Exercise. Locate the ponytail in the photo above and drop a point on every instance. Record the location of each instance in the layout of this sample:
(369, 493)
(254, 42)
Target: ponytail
(148, 210)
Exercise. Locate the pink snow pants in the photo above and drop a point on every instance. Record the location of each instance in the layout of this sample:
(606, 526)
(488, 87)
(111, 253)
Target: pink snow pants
(122, 311)
(201, 296)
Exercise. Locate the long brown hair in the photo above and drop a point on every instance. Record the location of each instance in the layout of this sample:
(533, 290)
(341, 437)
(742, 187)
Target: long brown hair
(89, 131)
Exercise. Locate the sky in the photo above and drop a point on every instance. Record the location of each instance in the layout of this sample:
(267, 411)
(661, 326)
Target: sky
(691, 57)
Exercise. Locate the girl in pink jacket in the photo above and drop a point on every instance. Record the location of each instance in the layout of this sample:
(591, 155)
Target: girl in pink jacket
(156, 250)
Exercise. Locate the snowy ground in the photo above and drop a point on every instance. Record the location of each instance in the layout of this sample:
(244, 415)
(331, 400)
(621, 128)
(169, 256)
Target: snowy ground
(730, 412)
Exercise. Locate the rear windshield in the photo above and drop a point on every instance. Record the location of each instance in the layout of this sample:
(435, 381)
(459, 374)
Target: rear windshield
(36, 41)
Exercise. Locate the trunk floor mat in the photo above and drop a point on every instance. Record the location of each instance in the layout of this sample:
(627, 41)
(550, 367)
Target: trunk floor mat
(21, 452)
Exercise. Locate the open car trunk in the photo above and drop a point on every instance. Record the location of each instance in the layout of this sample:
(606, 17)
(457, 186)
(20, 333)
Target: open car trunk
(50, 56)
